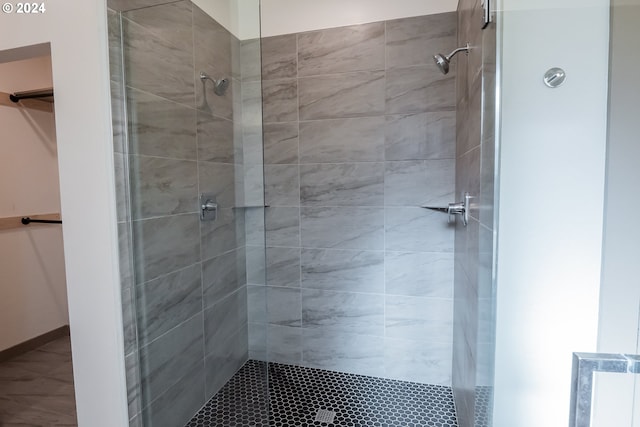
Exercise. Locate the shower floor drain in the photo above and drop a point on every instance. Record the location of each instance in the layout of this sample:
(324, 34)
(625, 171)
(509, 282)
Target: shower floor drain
(325, 416)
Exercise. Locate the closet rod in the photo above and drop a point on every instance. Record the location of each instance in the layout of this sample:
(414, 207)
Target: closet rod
(16, 222)
(27, 221)
(43, 93)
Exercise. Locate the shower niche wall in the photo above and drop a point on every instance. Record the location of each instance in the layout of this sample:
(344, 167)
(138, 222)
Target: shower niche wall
(322, 270)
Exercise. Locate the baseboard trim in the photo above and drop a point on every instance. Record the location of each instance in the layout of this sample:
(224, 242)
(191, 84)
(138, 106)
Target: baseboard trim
(34, 343)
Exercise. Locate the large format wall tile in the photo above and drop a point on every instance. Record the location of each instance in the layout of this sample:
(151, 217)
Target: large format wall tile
(213, 55)
(132, 374)
(258, 341)
(252, 107)
(219, 236)
(207, 100)
(171, 22)
(120, 175)
(372, 137)
(413, 41)
(125, 258)
(343, 312)
(178, 404)
(166, 302)
(420, 136)
(342, 140)
(279, 57)
(417, 230)
(343, 270)
(280, 100)
(255, 227)
(419, 183)
(283, 226)
(176, 135)
(342, 228)
(281, 143)
(420, 274)
(162, 186)
(282, 185)
(159, 127)
(418, 361)
(118, 115)
(215, 139)
(345, 95)
(339, 50)
(346, 184)
(170, 357)
(284, 306)
(219, 179)
(225, 359)
(223, 319)
(165, 244)
(124, 5)
(129, 321)
(253, 178)
(358, 354)
(212, 45)
(115, 46)
(285, 344)
(283, 267)
(419, 89)
(250, 60)
(157, 66)
(256, 265)
(413, 318)
(220, 277)
(257, 304)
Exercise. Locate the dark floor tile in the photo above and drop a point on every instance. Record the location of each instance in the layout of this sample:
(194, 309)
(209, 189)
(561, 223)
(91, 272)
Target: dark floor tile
(297, 395)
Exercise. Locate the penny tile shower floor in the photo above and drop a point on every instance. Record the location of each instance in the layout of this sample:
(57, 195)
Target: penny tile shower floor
(305, 397)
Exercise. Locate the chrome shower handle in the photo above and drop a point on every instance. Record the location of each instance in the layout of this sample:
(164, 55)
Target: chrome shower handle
(457, 209)
(460, 208)
(208, 207)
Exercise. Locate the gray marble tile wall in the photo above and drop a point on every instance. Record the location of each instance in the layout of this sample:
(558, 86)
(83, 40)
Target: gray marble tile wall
(183, 281)
(359, 132)
(474, 320)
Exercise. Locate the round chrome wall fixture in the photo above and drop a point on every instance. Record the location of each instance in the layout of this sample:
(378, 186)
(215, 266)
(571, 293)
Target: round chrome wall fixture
(554, 77)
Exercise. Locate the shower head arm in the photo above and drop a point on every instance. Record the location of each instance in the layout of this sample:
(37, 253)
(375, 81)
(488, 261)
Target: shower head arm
(460, 49)
(204, 76)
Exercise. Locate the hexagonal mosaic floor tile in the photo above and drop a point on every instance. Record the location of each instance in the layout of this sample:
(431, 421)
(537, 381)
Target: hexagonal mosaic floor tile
(297, 394)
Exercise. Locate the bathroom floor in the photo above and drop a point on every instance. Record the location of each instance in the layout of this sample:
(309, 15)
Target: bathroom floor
(36, 388)
(301, 396)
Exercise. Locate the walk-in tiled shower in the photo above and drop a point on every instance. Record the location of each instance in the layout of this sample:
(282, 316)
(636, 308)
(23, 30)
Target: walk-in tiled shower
(279, 267)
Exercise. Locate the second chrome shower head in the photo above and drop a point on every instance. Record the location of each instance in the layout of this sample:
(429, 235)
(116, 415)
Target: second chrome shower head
(443, 61)
(219, 86)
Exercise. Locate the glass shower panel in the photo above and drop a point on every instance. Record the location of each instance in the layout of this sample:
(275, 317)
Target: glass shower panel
(194, 166)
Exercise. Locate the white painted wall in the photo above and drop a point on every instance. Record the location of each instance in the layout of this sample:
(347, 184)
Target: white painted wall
(33, 290)
(240, 17)
(552, 178)
(77, 30)
(293, 16)
(620, 294)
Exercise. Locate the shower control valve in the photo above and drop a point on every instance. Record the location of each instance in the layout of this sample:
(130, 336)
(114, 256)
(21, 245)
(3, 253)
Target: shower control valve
(460, 208)
(208, 207)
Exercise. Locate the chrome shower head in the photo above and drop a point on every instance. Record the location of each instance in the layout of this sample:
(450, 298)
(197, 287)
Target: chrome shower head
(443, 61)
(219, 86)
